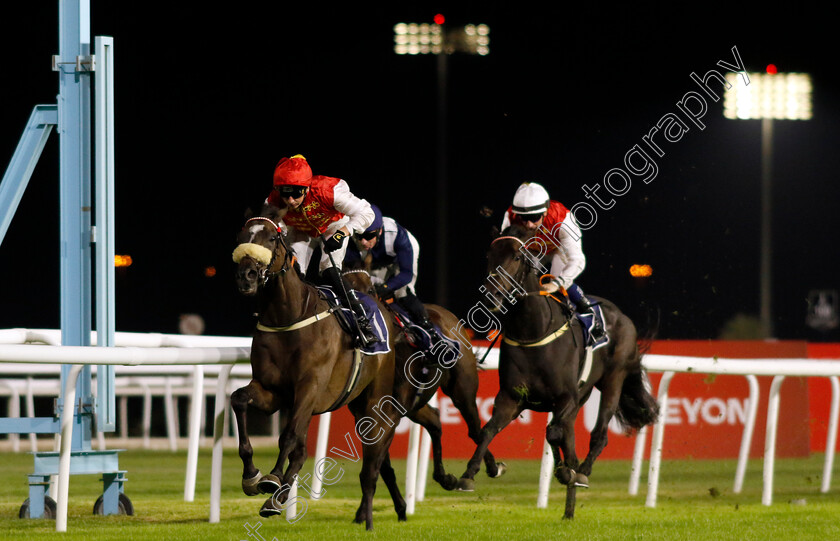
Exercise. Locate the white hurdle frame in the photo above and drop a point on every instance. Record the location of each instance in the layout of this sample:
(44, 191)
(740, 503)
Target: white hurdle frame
(77, 356)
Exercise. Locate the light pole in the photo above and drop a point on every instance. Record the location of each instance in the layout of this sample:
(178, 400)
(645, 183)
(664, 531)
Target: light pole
(425, 38)
(767, 96)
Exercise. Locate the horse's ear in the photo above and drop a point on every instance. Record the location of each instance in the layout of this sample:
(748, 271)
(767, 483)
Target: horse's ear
(249, 213)
(368, 261)
(494, 232)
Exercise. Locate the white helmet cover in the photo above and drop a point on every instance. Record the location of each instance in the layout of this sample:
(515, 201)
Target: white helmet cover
(530, 198)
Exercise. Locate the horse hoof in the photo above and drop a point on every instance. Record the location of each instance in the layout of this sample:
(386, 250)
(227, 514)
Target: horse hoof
(564, 475)
(269, 484)
(269, 510)
(449, 482)
(249, 486)
(501, 468)
(465, 485)
(581, 480)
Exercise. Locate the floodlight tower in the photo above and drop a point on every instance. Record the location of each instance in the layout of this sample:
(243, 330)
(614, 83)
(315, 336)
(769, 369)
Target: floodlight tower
(767, 96)
(422, 39)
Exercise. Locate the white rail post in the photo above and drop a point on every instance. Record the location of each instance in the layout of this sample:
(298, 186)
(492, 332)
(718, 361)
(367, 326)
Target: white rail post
(656, 440)
(638, 458)
(66, 447)
(546, 470)
(218, 437)
(831, 438)
(195, 432)
(770, 439)
(320, 449)
(411, 467)
(425, 456)
(746, 436)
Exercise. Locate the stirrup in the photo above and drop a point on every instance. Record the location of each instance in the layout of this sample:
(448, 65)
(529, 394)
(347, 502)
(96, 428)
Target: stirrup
(366, 334)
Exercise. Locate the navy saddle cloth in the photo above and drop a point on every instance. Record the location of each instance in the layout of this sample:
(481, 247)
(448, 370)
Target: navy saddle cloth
(347, 319)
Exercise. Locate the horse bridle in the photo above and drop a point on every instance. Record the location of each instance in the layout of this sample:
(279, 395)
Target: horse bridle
(278, 238)
(528, 268)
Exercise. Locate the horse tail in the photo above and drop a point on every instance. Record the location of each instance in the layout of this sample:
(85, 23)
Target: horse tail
(637, 407)
(647, 337)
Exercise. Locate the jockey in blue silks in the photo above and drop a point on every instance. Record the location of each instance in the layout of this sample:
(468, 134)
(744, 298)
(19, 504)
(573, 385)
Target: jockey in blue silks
(393, 252)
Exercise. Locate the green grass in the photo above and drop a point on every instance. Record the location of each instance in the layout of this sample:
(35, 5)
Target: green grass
(695, 502)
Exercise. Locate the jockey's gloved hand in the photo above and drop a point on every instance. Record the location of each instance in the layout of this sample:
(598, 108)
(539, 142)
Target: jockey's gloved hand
(334, 242)
(384, 292)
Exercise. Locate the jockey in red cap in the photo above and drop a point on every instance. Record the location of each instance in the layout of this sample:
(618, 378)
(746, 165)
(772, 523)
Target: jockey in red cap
(321, 211)
(555, 225)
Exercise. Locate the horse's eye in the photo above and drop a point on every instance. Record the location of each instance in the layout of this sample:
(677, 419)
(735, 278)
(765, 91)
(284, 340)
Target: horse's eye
(517, 258)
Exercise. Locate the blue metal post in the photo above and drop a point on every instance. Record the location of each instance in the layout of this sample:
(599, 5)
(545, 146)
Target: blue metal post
(74, 192)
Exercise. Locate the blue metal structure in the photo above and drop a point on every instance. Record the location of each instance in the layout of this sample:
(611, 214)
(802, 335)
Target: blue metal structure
(72, 119)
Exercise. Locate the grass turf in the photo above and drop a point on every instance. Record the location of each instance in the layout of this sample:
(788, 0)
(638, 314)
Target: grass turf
(695, 502)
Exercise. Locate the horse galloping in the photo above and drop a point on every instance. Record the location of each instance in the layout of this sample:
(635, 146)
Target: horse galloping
(542, 366)
(303, 364)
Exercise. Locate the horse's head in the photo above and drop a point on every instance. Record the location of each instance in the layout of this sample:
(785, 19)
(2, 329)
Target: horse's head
(509, 264)
(357, 275)
(261, 247)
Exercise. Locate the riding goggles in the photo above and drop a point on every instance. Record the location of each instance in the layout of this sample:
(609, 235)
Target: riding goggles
(368, 235)
(533, 218)
(291, 191)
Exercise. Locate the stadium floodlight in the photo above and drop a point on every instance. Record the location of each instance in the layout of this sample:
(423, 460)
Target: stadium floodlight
(767, 96)
(424, 38)
(780, 96)
(436, 39)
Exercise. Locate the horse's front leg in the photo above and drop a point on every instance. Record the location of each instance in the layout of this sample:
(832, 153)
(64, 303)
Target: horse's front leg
(252, 394)
(429, 418)
(505, 410)
(463, 393)
(291, 445)
(560, 434)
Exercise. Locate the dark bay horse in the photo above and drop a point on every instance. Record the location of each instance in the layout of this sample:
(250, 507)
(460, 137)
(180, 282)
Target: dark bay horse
(420, 380)
(540, 366)
(303, 364)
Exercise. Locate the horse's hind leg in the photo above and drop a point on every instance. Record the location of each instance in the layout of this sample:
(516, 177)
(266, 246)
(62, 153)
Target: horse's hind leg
(253, 394)
(505, 410)
(373, 457)
(560, 434)
(610, 394)
(390, 478)
(429, 418)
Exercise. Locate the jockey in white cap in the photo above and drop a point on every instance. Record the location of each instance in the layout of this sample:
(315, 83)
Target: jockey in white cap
(552, 223)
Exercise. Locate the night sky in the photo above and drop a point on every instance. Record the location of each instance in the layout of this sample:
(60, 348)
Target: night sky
(208, 100)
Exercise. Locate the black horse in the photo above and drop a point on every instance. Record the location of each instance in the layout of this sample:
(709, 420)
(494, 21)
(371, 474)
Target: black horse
(542, 366)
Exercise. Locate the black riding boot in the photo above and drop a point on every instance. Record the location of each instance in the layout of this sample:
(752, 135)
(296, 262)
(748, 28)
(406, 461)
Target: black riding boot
(598, 331)
(333, 278)
(418, 312)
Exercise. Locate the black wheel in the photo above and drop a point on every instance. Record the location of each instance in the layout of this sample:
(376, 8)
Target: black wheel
(124, 505)
(49, 508)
